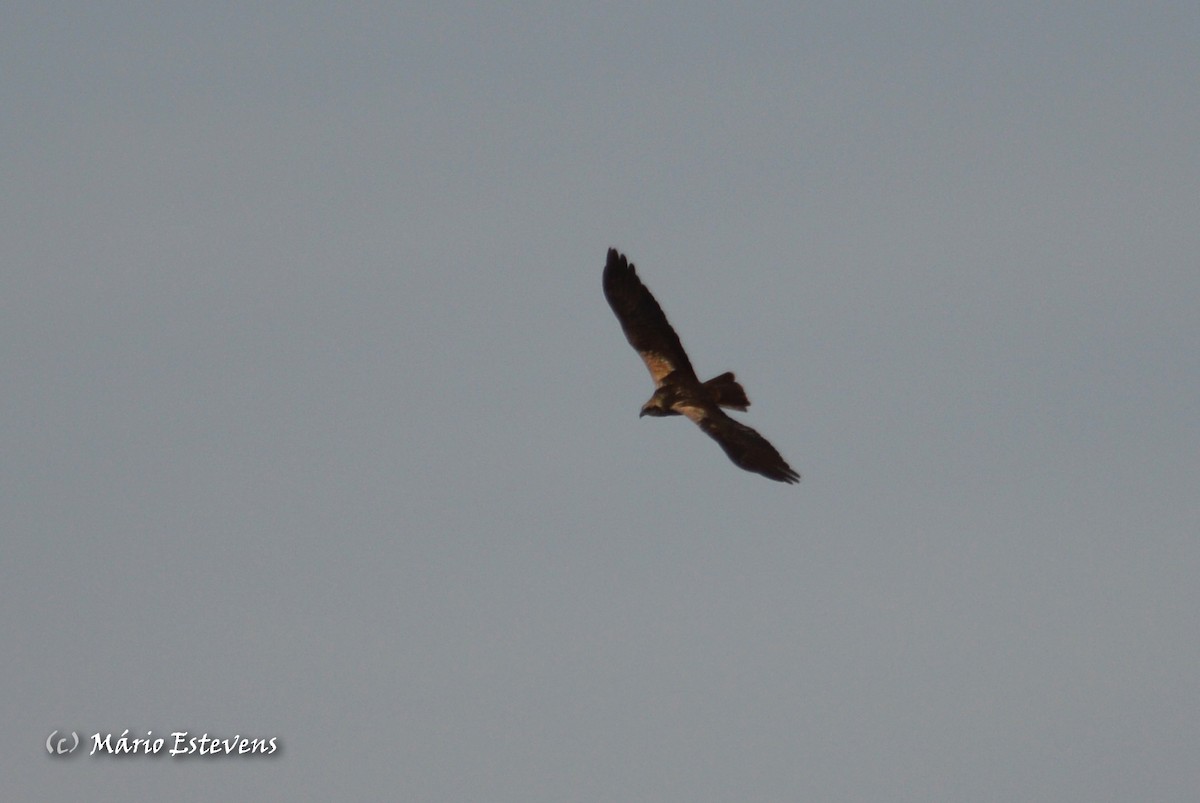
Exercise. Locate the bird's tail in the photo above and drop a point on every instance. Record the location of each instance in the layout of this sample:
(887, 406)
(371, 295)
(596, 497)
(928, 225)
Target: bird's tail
(727, 392)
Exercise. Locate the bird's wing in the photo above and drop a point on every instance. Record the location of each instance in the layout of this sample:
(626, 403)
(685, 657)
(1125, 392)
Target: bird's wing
(745, 447)
(646, 327)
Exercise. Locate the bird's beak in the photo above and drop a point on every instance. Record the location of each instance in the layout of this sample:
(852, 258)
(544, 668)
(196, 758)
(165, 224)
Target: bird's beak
(642, 414)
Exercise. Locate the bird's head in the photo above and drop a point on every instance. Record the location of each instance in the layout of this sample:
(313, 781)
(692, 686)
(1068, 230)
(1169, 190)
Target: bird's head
(659, 404)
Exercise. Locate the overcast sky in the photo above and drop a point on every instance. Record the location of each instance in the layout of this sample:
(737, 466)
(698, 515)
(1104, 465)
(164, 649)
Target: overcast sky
(314, 423)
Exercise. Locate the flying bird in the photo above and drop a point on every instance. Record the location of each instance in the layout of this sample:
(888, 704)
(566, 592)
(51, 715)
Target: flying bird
(677, 390)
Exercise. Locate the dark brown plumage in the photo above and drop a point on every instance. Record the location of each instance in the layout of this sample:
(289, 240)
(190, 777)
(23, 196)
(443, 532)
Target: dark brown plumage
(677, 389)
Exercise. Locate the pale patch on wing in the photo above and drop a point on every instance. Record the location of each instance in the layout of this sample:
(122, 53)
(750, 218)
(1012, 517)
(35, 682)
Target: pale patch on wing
(659, 366)
(694, 413)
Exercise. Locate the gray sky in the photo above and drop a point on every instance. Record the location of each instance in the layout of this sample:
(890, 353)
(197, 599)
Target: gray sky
(315, 423)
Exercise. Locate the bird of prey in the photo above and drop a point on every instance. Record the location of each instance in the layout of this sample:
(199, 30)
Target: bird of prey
(677, 390)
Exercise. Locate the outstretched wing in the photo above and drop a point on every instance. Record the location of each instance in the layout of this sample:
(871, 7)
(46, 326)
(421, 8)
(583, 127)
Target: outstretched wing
(645, 325)
(745, 447)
